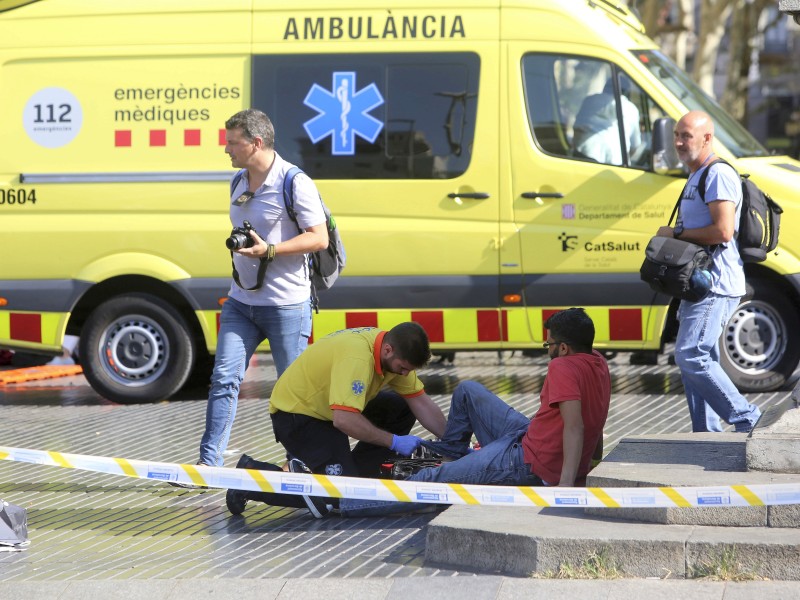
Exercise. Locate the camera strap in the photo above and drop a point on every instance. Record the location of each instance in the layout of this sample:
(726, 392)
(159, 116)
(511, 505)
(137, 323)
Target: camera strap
(262, 270)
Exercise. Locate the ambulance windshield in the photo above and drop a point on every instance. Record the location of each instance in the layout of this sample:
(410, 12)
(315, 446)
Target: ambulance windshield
(729, 131)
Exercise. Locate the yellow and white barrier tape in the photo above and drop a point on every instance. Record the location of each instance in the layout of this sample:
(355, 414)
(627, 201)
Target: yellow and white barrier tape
(413, 491)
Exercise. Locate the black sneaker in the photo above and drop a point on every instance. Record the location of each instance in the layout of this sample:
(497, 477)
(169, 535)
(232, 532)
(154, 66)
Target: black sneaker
(317, 505)
(190, 486)
(236, 500)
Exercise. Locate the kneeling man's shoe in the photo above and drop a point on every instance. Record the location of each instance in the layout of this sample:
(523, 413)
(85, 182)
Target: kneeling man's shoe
(317, 505)
(236, 500)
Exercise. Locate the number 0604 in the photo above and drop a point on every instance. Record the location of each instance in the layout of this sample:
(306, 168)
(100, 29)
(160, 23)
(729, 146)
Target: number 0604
(17, 196)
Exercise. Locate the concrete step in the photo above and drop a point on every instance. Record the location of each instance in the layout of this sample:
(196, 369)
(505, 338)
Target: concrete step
(523, 541)
(774, 444)
(710, 451)
(677, 460)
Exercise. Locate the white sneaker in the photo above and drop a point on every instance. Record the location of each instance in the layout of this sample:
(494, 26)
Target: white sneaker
(316, 504)
(189, 486)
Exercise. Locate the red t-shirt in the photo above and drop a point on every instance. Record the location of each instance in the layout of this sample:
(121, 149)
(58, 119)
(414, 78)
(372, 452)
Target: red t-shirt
(577, 377)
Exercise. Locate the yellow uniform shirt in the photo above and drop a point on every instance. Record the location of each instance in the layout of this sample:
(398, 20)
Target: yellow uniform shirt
(341, 371)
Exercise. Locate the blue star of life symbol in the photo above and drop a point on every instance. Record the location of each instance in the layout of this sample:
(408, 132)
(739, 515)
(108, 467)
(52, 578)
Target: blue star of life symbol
(343, 113)
(358, 387)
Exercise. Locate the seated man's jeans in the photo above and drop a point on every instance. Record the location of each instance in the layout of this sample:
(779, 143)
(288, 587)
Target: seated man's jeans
(242, 328)
(498, 429)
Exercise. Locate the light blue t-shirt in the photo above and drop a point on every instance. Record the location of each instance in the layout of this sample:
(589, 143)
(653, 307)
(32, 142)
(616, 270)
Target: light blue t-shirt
(287, 278)
(723, 184)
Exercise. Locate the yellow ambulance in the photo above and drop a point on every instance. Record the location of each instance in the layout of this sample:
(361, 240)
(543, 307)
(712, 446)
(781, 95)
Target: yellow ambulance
(488, 163)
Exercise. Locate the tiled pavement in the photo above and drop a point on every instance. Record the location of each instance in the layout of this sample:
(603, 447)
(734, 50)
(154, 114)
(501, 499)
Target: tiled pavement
(86, 526)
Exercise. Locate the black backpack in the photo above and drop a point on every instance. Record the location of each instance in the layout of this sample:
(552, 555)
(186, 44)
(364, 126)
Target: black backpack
(760, 220)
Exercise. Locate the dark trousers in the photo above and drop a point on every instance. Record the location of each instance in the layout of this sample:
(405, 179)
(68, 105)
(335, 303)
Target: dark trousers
(326, 450)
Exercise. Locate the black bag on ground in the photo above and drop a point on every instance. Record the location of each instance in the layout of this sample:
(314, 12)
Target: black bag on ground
(677, 268)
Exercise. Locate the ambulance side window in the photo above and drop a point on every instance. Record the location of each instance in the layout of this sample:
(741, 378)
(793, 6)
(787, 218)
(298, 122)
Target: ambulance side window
(587, 109)
(371, 116)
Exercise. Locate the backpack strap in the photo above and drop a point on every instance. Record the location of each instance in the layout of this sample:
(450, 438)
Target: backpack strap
(700, 186)
(701, 183)
(288, 194)
(288, 201)
(701, 190)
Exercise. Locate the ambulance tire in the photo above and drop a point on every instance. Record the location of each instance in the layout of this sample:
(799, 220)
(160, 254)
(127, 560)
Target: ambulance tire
(760, 348)
(136, 348)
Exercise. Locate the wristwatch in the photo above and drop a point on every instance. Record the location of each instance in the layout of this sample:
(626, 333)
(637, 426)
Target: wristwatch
(677, 230)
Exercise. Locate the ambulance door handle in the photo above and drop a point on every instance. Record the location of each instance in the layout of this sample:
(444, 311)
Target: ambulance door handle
(470, 195)
(534, 195)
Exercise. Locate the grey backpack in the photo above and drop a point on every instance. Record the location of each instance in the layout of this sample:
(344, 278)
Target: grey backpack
(324, 265)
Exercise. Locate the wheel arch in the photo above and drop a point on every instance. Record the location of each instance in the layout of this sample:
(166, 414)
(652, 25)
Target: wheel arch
(125, 285)
(759, 272)
(768, 314)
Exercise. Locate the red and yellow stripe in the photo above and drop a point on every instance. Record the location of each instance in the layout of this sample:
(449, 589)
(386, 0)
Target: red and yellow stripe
(518, 327)
(33, 329)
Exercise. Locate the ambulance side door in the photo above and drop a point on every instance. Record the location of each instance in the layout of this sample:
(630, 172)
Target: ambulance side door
(585, 200)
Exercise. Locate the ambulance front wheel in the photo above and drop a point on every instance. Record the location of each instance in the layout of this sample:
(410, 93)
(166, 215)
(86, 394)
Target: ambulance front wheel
(136, 349)
(760, 348)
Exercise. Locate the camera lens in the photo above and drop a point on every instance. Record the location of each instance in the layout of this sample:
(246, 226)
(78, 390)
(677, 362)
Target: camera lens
(238, 240)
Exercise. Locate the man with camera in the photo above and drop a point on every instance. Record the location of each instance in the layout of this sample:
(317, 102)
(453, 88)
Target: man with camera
(270, 297)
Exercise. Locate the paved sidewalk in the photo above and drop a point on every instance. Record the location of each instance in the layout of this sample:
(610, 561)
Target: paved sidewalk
(104, 537)
(472, 588)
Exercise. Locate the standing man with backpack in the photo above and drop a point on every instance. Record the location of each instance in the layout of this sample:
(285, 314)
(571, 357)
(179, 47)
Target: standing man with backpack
(270, 295)
(709, 219)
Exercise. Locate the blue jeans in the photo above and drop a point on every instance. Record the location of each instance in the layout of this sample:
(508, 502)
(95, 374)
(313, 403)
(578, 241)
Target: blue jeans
(242, 329)
(709, 391)
(499, 430)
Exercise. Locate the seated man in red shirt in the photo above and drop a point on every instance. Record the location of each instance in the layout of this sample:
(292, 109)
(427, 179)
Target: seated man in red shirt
(556, 447)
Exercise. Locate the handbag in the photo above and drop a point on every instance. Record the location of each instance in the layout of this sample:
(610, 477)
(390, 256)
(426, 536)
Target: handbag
(676, 267)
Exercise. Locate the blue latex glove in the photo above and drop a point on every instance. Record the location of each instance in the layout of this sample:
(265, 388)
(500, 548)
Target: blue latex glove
(405, 444)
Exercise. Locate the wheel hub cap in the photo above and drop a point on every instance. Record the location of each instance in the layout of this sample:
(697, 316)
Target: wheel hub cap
(135, 350)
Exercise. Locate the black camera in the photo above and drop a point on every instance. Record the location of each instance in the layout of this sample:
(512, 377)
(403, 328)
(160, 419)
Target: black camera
(240, 237)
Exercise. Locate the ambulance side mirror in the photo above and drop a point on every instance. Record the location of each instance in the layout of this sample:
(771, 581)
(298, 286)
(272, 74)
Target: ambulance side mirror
(665, 158)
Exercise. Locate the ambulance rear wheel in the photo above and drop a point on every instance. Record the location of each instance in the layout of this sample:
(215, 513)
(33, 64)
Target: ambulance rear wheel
(136, 349)
(760, 348)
